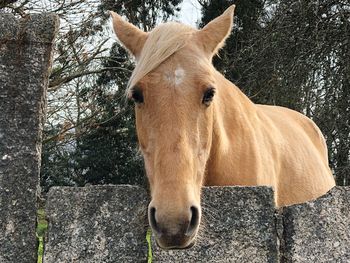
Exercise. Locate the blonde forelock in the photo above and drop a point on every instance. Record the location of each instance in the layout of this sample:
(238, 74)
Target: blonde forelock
(162, 42)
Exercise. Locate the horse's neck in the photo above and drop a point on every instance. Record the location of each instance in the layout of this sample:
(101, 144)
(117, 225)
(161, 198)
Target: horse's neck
(234, 111)
(234, 117)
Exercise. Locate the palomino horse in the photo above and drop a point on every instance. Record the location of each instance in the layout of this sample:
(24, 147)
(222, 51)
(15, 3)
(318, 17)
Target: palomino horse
(196, 128)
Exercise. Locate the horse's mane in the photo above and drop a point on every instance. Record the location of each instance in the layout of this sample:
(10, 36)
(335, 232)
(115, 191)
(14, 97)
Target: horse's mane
(162, 42)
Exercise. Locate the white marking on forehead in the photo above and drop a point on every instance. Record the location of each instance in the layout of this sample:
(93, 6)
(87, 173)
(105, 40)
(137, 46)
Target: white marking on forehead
(179, 75)
(175, 77)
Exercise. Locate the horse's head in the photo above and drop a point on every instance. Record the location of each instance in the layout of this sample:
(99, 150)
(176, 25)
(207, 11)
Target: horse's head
(173, 86)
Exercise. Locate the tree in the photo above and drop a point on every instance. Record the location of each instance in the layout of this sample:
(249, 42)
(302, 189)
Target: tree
(97, 140)
(311, 49)
(89, 135)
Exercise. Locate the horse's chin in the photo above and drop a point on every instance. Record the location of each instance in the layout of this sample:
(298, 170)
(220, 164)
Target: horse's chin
(186, 245)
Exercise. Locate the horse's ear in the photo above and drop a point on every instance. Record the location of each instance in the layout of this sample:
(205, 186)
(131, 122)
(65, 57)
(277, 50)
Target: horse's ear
(130, 36)
(212, 37)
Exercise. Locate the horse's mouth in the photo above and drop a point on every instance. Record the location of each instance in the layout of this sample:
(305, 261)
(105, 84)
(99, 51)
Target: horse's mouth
(176, 246)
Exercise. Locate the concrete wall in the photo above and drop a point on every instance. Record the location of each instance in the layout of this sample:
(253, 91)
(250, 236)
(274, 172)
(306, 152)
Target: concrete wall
(109, 223)
(240, 224)
(25, 57)
(318, 231)
(96, 224)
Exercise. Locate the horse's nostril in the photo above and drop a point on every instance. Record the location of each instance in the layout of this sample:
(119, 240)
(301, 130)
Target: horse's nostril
(194, 221)
(152, 219)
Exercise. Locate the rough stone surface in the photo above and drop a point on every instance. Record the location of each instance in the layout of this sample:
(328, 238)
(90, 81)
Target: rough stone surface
(97, 224)
(36, 28)
(25, 59)
(239, 226)
(318, 231)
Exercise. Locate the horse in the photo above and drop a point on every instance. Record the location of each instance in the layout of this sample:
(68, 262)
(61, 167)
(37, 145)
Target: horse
(195, 128)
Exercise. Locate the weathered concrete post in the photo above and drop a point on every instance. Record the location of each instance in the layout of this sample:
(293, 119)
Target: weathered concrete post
(25, 59)
(97, 224)
(318, 231)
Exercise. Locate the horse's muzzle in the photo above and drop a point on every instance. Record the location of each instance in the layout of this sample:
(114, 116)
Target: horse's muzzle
(179, 234)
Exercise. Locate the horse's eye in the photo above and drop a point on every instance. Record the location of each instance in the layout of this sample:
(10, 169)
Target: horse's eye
(208, 96)
(136, 95)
